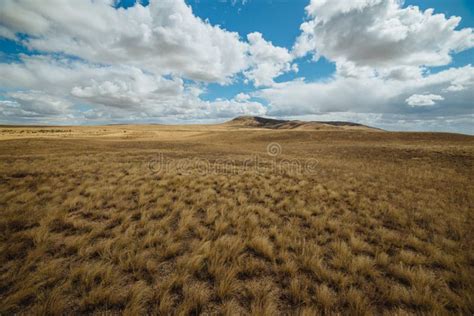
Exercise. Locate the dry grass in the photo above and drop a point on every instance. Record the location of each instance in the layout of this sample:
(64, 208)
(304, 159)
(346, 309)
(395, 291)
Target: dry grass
(383, 225)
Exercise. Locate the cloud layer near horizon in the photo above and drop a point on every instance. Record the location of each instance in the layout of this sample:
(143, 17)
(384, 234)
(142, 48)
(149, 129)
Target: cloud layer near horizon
(92, 62)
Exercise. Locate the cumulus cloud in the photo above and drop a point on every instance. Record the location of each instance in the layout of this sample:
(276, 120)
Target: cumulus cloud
(409, 122)
(40, 103)
(423, 99)
(114, 86)
(267, 61)
(143, 60)
(242, 97)
(231, 108)
(164, 37)
(383, 53)
(380, 34)
(114, 91)
(34, 105)
(369, 94)
(60, 76)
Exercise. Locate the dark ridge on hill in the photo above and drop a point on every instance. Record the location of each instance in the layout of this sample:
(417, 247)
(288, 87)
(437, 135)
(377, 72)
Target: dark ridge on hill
(262, 122)
(256, 121)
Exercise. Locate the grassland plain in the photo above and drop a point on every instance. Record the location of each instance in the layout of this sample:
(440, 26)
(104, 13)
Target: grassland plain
(91, 222)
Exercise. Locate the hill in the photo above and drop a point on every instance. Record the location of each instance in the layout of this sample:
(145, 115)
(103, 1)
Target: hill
(263, 122)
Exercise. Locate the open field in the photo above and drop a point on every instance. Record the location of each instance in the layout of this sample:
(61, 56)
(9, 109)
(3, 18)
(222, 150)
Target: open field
(227, 220)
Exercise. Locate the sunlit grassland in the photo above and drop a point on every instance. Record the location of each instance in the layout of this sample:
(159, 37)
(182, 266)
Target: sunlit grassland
(382, 225)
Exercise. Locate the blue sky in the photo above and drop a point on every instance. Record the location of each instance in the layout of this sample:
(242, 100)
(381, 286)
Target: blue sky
(209, 60)
(279, 21)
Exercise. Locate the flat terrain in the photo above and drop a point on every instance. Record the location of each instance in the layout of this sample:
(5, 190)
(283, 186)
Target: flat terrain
(235, 220)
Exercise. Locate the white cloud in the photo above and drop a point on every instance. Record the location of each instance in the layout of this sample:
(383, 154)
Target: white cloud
(34, 104)
(423, 99)
(232, 108)
(111, 92)
(267, 61)
(63, 76)
(382, 52)
(164, 37)
(242, 97)
(132, 62)
(368, 94)
(243, 2)
(380, 34)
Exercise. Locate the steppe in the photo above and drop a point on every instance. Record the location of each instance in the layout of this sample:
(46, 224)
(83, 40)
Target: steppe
(248, 217)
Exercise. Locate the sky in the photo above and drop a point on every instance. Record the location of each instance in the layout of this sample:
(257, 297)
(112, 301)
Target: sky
(392, 64)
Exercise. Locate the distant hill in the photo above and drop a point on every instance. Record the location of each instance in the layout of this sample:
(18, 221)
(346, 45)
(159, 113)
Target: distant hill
(262, 122)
